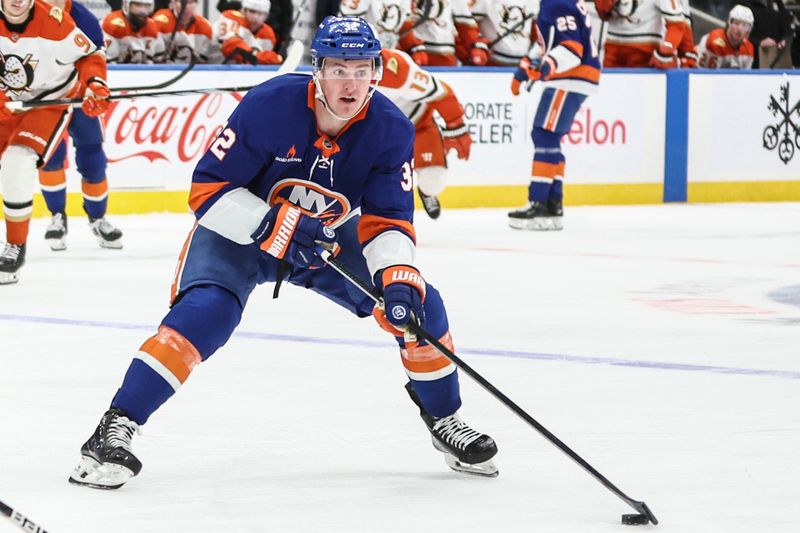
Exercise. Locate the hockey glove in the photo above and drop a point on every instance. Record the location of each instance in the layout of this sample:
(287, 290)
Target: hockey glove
(664, 57)
(456, 137)
(268, 57)
(403, 295)
(420, 58)
(286, 233)
(526, 71)
(95, 99)
(479, 54)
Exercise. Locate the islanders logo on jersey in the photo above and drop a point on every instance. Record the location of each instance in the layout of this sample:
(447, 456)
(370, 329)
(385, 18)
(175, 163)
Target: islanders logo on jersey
(16, 73)
(315, 200)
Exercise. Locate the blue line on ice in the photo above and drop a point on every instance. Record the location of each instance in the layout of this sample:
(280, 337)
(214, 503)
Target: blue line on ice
(786, 374)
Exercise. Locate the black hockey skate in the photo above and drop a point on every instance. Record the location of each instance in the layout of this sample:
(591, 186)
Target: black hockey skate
(107, 461)
(465, 450)
(11, 260)
(108, 236)
(56, 233)
(431, 204)
(538, 216)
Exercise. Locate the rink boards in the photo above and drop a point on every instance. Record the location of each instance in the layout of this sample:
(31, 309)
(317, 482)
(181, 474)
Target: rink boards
(646, 138)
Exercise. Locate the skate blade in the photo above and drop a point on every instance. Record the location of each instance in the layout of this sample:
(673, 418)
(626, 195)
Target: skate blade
(536, 224)
(107, 476)
(57, 245)
(485, 469)
(111, 245)
(7, 278)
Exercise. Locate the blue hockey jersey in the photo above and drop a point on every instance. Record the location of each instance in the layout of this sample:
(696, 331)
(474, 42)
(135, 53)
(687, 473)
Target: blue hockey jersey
(565, 35)
(86, 22)
(271, 151)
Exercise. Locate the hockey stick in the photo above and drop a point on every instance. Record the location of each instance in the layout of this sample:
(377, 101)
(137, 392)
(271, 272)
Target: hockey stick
(181, 74)
(20, 519)
(644, 515)
(293, 59)
(426, 15)
(510, 30)
(168, 51)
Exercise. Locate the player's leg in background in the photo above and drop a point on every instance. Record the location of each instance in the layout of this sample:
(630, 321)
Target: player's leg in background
(213, 280)
(53, 182)
(430, 164)
(26, 142)
(90, 158)
(433, 379)
(554, 116)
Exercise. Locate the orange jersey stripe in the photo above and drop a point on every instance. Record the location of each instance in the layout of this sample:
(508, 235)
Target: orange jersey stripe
(201, 192)
(582, 71)
(370, 226)
(574, 46)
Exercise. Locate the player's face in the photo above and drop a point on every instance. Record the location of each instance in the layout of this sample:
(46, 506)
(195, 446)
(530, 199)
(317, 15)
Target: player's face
(738, 32)
(16, 10)
(255, 19)
(140, 9)
(346, 84)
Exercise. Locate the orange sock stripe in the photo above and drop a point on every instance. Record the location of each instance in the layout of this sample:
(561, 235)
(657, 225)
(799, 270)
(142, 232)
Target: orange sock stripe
(540, 169)
(53, 178)
(425, 359)
(176, 280)
(173, 351)
(17, 229)
(560, 170)
(94, 190)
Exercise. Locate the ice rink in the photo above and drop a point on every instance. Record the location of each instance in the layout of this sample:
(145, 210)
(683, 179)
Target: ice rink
(661, 343)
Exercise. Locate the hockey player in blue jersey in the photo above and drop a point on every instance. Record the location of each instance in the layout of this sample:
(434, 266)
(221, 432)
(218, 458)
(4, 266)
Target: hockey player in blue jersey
(302, 162)
(565, 62)
(87, 135)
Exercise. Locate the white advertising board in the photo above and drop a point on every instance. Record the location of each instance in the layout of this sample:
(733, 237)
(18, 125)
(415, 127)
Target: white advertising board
(617, 137)
(744, 128)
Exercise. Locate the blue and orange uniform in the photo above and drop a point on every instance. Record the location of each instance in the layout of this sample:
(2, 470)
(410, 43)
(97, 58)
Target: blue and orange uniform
(358, 182)
(87, 134)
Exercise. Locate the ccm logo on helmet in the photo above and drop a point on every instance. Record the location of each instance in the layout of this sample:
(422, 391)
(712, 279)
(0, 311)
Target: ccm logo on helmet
(352, 45)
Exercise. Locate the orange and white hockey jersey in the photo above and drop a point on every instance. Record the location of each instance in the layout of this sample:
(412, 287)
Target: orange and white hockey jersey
(231, 32)
(124, 45)
(637, 28)
(196, 39)
(449, 23)
(715, 51)
(391, 20)
(51, 58)
(417, 92)
(497, 18)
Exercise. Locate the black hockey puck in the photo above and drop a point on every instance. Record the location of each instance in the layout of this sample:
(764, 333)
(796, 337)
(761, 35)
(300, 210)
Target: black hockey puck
(635, 519)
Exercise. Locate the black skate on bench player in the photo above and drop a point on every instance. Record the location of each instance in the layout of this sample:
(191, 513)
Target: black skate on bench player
(465, 450)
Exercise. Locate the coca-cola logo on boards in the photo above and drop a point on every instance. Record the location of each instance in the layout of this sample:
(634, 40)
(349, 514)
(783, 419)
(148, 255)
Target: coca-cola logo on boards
(177, 130)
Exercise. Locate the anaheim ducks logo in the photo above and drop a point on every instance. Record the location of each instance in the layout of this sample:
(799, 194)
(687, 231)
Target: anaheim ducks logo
(390, 16)
(16, 73)
(512, 17)
(315, 200)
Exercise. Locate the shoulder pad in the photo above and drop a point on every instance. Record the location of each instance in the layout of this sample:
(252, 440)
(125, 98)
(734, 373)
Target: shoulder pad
(117, 21)
(719, 41)
(393, 65)
(161, 17)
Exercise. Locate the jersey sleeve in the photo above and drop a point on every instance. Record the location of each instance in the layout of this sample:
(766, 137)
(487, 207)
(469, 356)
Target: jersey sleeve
(219, 196)
(386, 229)
(88, 23)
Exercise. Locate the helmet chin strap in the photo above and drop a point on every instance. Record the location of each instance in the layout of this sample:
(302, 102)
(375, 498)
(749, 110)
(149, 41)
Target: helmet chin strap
(320, 95)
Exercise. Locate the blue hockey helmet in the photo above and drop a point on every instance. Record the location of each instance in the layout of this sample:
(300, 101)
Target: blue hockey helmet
(344, 38)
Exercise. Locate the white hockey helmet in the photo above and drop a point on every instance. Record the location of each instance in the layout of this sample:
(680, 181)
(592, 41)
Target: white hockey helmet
(261, 6)
(126, 5)
(742, 14)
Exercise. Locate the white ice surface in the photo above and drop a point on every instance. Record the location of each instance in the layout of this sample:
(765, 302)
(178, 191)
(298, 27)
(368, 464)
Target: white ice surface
(661, 343)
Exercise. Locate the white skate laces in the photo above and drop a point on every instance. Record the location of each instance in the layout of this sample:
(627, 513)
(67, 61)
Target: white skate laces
(455, 432)
(121, 431)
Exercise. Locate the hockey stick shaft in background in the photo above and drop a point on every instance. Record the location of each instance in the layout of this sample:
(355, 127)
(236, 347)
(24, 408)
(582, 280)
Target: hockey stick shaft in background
(171, 44)
(510, 30)
(292, 61)
(639, 506)
(162, 85)
(20, 519)
(426, 15)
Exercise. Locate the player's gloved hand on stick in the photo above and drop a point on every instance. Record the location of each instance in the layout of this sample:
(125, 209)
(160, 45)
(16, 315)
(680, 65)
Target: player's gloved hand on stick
(268, 57)
(403, 295)
(286, 233)
(664, 57)
(95, 99)
(479, 54)
(526, 71)
(455, 135)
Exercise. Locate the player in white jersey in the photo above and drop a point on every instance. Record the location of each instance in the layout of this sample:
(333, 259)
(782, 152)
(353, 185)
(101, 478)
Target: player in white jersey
(450, 33)
(43, 55)
(641, 33)
(132, 35)
(421, 96)
(391, 21)
(512, 23)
